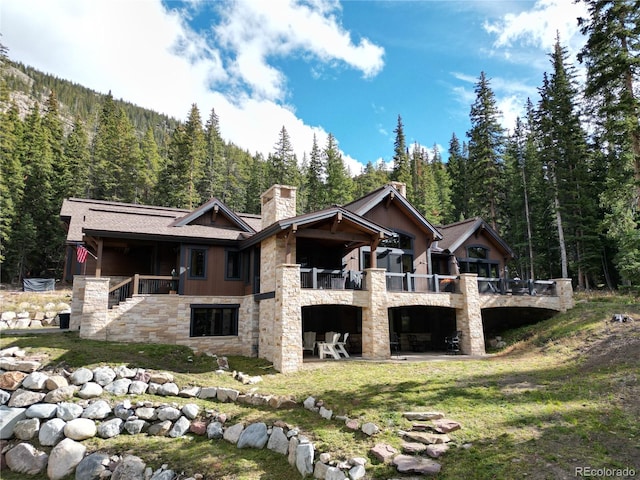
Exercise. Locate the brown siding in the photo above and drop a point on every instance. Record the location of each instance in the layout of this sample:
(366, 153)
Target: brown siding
(214, 283)
(396, 219)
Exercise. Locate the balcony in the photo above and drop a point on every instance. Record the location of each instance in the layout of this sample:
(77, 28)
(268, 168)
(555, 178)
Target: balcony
(422, 283)
(326, 279)
(514, 286)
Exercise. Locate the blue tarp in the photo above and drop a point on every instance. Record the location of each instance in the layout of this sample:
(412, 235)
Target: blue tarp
(38, 284)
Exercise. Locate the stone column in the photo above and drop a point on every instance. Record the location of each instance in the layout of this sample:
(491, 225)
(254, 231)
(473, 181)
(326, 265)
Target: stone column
(564, 290)
(375, 317)
(287, 325)
(94, 317)
(469, 317)
(77, 302)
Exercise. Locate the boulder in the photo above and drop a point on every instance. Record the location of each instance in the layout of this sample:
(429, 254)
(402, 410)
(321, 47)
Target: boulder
(42, 410)
(160, 429)
(103, 375)
(35, 381)
(370, 428)
(189, 392)
(446, 425)
(97, 410)
(168, 389)
(123, 371)
(56, 381)
(26, 429)
(4, 397)
(138, 387)
(61, 394)
(427, 438)
(64, 458)
(110, 428)
(254, 436)
(180, 427)
(80, 429)
(232, 434)
(51, 432)
(18, 364)
(146, 413)
(208, 392)
(214, 430)
(90, 390)
(11, 380)
(227, 395)
(415, 464)
(92, 467)
(130, 468)
(68, 411)
(133, 426)
(123, 410)
(278, 441)
(25, 398)
(304, 458)
(383, 452)
(161, 377)
(81, 376)
(168, 413)
(334, 473)
(24, 458)
(118, 387)
(8, 418)
(190, 410)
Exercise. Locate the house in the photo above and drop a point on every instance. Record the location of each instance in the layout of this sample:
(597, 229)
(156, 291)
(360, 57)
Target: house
(235, 284)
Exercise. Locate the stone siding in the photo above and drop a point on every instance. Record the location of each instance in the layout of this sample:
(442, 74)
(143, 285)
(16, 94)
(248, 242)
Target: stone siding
(469, 317)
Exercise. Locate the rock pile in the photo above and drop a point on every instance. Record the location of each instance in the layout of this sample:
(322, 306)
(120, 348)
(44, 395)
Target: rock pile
(57, 411)
(28, 315)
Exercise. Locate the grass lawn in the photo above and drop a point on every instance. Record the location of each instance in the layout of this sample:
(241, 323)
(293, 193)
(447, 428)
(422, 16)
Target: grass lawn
(564, 394)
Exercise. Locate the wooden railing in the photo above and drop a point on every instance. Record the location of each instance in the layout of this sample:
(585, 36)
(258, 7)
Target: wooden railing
(422, 283)
(513, 286)
(142, 284)
(326, 279)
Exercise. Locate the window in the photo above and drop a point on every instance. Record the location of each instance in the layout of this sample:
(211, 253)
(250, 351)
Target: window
(197, 263)
(214, 320)
(478, 252)
(233, 264)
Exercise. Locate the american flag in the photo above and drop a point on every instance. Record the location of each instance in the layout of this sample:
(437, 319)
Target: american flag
(81, 253)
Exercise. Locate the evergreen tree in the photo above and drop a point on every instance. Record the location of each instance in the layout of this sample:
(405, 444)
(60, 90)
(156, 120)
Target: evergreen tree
(425, 194)
(486, 166)
(283, 164)
(257, 183)
(316, 190)
(459, 175)
(443, 187)
(371, 178)
(105, 172)
(151, 165)
(76, 151)
(401, 165)
(339, 185)
(612, 57)
(214, 167)
(34, 251)
(11, 180)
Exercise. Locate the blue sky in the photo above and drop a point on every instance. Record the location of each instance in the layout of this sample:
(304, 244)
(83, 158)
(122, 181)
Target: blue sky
(315, 66)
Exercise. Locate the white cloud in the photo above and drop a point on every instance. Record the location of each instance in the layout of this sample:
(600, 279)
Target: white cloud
(151, 57)
(538, 27)
(254, 31)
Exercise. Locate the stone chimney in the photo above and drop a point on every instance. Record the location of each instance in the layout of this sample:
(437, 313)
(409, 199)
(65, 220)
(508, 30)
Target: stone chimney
(278, 203)
(400, 187)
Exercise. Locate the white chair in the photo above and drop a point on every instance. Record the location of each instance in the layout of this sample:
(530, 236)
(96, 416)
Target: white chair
(328, 347)
(341, 344)
(309, 341)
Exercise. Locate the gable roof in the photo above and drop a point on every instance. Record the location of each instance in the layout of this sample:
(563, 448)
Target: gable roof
(455, 234)
(217, 206)
(310, 219)
(124, 220)
(366, 203)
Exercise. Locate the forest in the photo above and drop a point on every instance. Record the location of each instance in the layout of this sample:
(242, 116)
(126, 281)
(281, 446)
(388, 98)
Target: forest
(562, 187)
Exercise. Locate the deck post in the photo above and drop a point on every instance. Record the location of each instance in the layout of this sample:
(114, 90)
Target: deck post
(287, 323)
(469, 317)
(564, 291)
(94, 318)
(375, 317)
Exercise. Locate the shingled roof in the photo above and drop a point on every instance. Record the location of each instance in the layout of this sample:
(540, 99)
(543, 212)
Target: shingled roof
(123, 220)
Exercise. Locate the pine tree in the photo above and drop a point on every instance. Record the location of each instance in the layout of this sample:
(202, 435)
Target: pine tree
(371, 178)
(151, 160)
(316, 190)
(443, 187)
(104, 172)
(458, 171)
(339, 185)
(486, 166)
(213, 177)
(611, 55)
(401, 165)
(283, 164)
(76, 151)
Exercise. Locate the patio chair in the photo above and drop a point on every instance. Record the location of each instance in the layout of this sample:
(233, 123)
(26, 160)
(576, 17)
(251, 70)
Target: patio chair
(328, 347)
(453, 342)
(394, 343)
(340, 346)
(309, 341)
